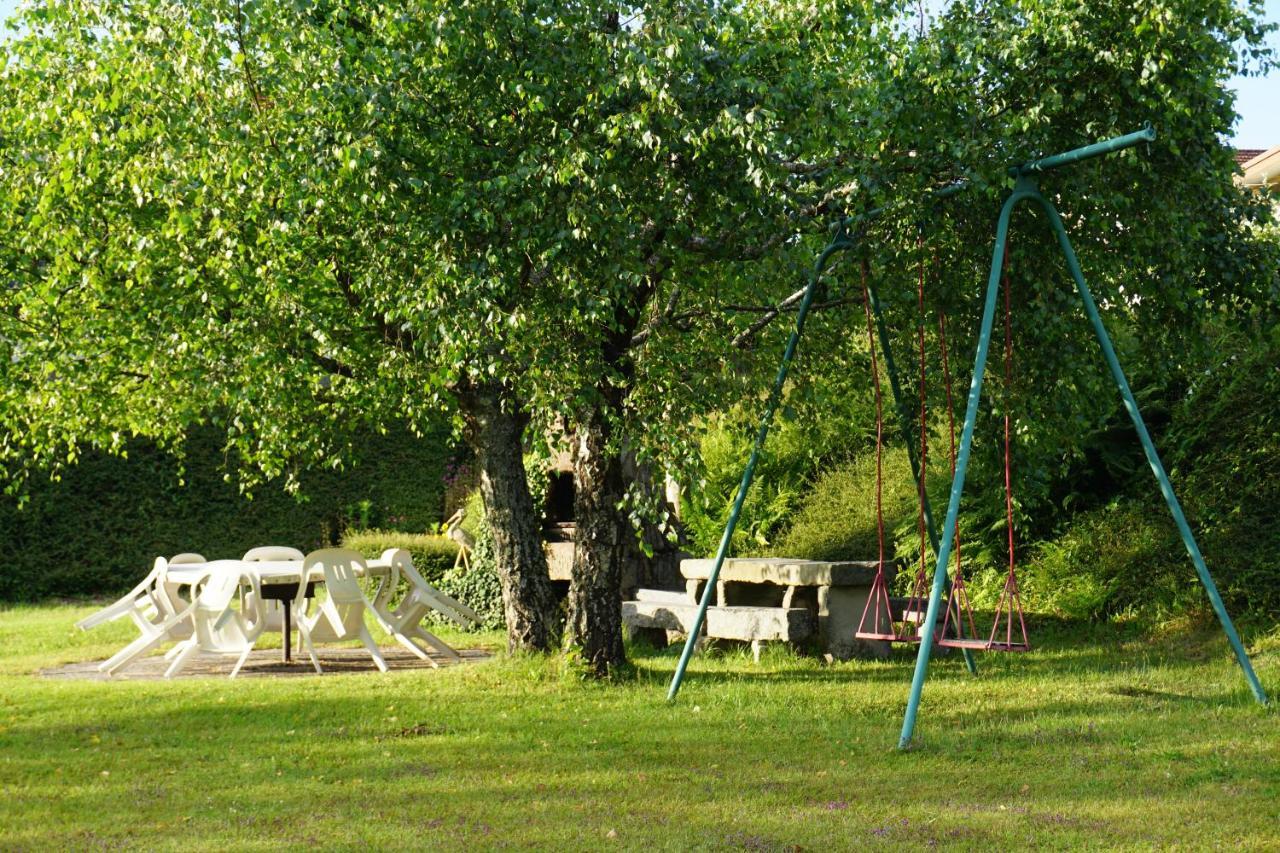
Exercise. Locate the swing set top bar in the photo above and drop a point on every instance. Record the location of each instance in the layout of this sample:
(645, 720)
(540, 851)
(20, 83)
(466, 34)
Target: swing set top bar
(1034, 167)
(1097, 149)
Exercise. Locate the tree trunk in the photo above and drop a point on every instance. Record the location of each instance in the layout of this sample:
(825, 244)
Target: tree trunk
(496, 435)
(595, 590)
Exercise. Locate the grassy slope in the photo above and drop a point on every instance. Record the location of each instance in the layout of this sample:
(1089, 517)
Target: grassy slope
(1107, 739)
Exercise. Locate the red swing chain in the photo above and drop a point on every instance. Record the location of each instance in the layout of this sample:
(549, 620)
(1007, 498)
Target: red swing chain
(914, 615)
(958, 600)
(878, 603)
(1010, 597)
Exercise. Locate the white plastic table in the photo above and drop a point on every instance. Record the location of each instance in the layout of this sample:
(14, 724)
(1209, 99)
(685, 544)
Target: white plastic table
(284, 575)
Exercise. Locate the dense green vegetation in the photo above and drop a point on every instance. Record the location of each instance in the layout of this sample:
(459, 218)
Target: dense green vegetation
(1223, 447)
(1097, 538)
(1101, 738)
(97, 529)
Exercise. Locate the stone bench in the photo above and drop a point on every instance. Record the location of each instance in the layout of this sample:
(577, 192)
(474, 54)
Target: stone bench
(835, 593)
(658, 611)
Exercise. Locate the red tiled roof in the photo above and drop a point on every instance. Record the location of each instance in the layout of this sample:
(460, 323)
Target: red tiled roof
(1244, 155)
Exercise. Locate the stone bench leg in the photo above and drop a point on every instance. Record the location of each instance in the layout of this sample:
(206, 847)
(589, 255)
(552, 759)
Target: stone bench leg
(839, 611)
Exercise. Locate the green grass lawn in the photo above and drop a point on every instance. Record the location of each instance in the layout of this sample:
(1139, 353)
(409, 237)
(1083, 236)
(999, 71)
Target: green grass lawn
(1104, 737)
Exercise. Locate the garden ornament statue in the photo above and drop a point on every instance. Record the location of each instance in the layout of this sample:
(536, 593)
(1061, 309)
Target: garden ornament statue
(466, 542)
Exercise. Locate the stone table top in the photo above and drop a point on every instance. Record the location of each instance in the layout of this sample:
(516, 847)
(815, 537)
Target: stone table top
(786, 571)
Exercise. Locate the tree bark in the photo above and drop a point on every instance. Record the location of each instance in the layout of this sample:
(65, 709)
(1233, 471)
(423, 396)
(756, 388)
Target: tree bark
(595, 589)
(496, 433)
(604, 535)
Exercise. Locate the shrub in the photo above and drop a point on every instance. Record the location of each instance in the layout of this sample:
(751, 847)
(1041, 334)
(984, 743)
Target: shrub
(837, 519)
(1223, 451)
(1123, 556)
(432, 555)
(478, 587)
(798, 447)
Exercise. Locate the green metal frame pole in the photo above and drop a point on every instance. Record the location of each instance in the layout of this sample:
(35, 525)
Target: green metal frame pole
(1153, 458)
(962, 466)
(839, 242)
(905, 425)
(1097, 149)
(1026, 189)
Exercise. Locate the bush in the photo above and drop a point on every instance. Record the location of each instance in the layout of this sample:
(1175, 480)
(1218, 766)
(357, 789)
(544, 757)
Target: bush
(797, 449)
(1123, 556)
(1223, 451)
(432, 555)
(837, 519)
(97, 530)
(479, 587)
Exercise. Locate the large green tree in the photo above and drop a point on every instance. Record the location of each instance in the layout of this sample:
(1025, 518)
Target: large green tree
(292, 219)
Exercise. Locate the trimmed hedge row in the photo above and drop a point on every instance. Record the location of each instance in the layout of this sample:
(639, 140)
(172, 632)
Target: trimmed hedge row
(432, 555)
(97, 530)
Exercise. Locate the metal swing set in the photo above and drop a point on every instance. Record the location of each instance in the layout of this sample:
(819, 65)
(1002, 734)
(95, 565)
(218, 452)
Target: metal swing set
(943, 591)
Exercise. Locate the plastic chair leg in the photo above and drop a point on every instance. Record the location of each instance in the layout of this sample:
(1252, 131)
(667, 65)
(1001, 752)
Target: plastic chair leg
(138, 647)
(235, 670)
(186, 650)
(438, 644)
(304, 636)
(367, 639)
(413, 647)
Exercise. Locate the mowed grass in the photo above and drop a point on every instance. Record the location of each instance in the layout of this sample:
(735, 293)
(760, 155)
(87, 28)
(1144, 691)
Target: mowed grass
(1103, 737)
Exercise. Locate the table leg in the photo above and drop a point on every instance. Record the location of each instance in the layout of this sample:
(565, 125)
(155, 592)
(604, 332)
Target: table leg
(288, 627)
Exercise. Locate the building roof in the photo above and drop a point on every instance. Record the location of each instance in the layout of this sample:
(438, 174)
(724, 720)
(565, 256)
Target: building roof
(1262, 170)
(1244, 155)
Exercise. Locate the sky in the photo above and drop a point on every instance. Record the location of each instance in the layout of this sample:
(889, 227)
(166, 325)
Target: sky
(1258, 103)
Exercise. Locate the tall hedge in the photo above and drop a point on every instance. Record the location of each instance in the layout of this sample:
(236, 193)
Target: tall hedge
(98, 529)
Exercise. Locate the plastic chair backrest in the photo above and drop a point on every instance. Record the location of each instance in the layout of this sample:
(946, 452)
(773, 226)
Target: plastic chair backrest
(341, 569)
(186, 558)
(401, 562)
(265, 553)
(218, 630)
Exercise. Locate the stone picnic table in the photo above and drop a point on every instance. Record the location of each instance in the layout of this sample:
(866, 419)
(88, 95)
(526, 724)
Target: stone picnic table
(768, 598)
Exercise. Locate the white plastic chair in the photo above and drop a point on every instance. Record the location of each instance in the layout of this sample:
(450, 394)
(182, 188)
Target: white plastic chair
(340, 614)
(147, 604)
(218, 627)
(173, 590)
(421, 599)
(159, 618)
(148, 601)
(272, 609)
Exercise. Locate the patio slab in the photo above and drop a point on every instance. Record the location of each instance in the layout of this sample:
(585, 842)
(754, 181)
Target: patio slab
(264, 663)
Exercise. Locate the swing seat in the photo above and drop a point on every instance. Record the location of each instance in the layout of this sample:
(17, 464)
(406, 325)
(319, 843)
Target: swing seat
(874, 635)
(977, 644)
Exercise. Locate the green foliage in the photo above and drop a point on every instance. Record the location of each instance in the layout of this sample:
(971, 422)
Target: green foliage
(1223, 451)
(1125, 556)
(97, 529)
(432, 555)
(821, 425)
(837, 520)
